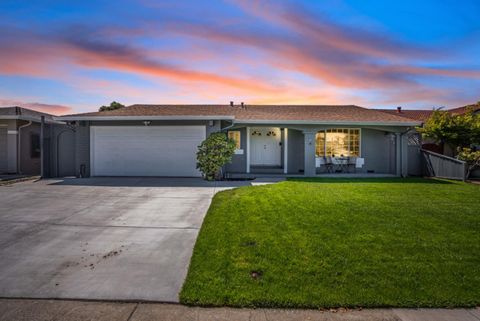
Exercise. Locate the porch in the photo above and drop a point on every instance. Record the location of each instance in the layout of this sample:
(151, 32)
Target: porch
(325, 151)
(253, 176)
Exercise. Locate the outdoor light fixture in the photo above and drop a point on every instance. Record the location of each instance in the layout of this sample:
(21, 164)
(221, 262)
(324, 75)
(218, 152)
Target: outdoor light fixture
(271, 133)
(146, 122)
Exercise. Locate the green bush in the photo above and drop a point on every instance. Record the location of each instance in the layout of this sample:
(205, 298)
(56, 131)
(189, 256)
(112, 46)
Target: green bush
(214, 152)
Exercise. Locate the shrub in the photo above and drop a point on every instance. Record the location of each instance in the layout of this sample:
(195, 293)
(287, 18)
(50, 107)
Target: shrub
(214, 152)
(471, 157)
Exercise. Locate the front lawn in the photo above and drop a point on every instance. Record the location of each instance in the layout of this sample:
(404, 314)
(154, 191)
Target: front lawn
(339, 242)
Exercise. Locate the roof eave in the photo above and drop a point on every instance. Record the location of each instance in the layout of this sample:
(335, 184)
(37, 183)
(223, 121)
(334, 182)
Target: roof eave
(177, 117)
(32, 118)
(325, 122)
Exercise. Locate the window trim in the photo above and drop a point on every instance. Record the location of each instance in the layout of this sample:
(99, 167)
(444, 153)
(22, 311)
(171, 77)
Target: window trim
(238, 150)
(324, 131)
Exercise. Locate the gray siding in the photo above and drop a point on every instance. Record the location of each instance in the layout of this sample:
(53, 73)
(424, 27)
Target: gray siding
(377, 148)
(239, 162)
(28, 165)
(82, 148)
(3, 150)
(296, 151)
(12, 147)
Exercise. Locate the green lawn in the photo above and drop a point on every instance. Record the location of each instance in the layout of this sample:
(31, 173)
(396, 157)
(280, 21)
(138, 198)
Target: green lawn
(340, 242)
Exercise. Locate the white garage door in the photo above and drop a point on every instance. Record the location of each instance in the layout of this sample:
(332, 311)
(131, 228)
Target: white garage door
(145, 150)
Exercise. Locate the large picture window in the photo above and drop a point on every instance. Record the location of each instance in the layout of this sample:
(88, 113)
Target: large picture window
(338, 142)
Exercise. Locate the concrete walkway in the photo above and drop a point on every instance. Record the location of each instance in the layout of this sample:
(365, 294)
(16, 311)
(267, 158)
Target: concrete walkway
(49, 310)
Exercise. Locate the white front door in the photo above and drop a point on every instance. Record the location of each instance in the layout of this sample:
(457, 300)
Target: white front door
(265, 146)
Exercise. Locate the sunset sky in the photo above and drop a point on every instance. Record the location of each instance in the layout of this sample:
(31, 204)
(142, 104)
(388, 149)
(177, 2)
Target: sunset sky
(74, 56)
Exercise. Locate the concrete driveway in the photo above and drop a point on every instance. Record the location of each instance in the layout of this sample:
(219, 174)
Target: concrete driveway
(100, 238)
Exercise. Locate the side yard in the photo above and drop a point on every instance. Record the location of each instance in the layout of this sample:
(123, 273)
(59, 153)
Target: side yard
(338, 242)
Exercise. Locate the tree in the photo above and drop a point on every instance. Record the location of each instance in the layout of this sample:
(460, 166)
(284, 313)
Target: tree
(458, 131)
(113, 105)
(214, 152)
(471, 157)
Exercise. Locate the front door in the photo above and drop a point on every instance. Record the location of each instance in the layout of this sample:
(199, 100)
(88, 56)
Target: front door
(265, 146)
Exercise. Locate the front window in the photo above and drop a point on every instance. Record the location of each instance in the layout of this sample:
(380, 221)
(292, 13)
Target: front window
(235, 135)
(338, 142)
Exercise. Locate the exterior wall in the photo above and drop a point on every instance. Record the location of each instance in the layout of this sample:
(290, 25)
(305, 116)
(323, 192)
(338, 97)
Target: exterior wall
(62, 151)
(12, 137)
(239, 161)
(3, 147)
(28, 165)
(295, 152)
(376, 147)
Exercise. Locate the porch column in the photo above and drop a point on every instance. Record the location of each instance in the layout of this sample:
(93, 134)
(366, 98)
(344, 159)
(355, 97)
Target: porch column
(309, 165)
(285, 150)
(247, 160)
(398, 154)
(404, 140)
(42, 146)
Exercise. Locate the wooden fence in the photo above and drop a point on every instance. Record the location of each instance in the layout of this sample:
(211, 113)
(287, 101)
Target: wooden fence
(438, 165)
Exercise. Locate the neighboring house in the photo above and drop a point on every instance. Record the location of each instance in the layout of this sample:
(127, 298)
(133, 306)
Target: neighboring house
(162, 140)
(20, 143)
(20, 140)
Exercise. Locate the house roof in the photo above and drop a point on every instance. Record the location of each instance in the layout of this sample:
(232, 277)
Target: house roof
(16, 112)
(423, 114)
(414, 114)
(464, 109)
(324, 114)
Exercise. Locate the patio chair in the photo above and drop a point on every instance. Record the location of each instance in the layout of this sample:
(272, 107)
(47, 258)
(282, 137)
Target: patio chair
(329, 165)
(359, 162)
(336, 164)
(352, 162)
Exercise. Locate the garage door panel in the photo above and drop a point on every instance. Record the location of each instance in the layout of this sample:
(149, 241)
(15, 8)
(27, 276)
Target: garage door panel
(146, 151)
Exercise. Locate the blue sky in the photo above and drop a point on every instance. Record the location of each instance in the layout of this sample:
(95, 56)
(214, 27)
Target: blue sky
(64, 57)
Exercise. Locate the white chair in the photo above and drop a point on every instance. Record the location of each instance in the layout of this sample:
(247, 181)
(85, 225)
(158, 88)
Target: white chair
(359, 162)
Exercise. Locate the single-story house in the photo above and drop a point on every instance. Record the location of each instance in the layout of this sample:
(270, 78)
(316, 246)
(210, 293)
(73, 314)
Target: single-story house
(162, 140)
(20, 136)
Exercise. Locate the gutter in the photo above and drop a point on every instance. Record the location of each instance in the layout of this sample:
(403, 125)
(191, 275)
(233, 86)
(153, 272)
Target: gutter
(323, 122)
(228, 127)
(177, 117)
(33, 119)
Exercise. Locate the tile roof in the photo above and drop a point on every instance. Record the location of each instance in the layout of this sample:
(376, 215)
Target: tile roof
(339, 113)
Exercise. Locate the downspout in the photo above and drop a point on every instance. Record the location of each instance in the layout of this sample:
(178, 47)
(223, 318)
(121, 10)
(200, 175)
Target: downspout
(19, 145)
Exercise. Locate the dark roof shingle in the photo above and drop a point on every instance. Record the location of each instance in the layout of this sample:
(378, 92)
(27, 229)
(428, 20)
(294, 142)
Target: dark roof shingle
(339, 113)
